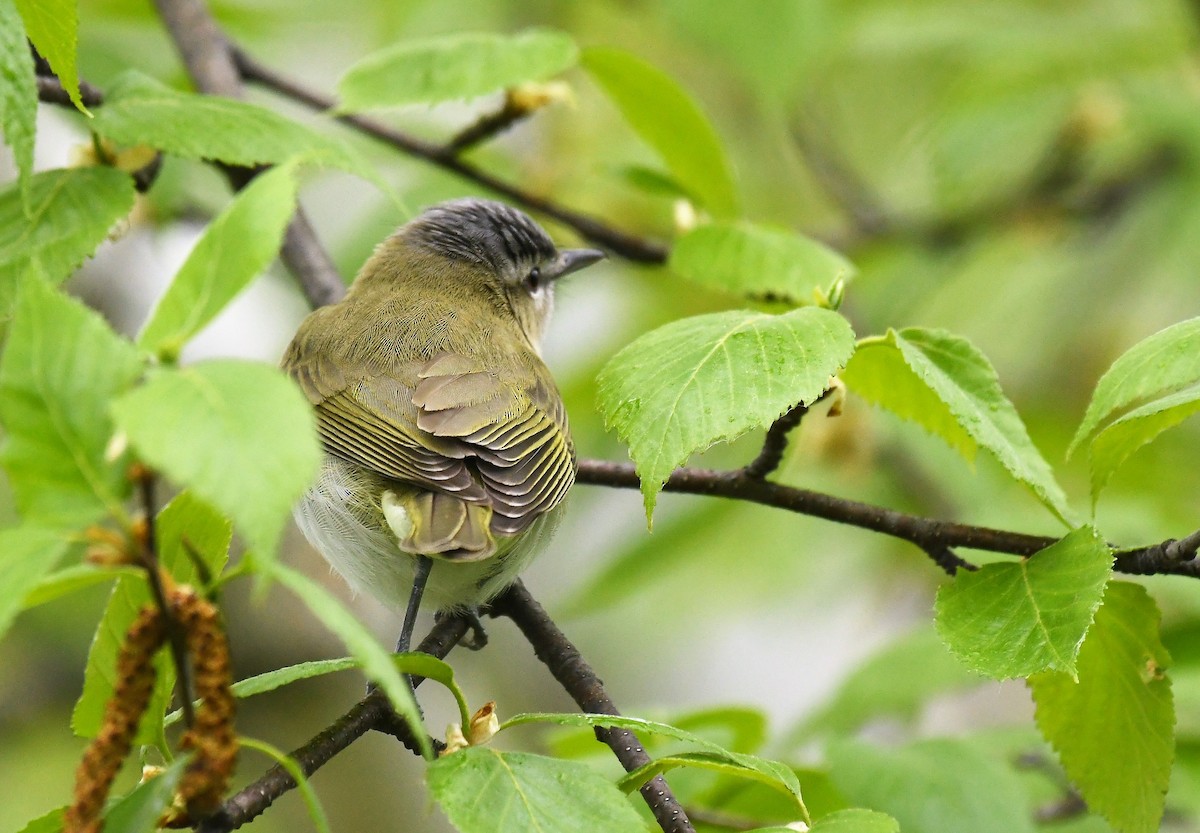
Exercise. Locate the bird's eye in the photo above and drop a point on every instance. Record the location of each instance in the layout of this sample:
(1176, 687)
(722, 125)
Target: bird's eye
(534, 279)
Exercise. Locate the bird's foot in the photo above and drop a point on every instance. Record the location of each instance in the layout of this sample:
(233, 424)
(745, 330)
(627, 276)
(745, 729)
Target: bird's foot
(478, 639)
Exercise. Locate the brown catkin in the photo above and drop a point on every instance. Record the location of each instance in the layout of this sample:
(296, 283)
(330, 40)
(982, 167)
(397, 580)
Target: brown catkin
(211, 739)
(107, 751)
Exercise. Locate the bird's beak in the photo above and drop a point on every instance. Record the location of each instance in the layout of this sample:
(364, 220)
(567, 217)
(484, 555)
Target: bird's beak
(571, 260)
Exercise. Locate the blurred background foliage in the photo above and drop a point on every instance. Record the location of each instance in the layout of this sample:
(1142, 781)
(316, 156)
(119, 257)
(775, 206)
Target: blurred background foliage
(1025, 174)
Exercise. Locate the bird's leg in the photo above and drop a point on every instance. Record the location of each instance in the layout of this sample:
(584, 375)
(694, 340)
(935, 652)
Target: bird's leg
(420, 576)
(479, 637)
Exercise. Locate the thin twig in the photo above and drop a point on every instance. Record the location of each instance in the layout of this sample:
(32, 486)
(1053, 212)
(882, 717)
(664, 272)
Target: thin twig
(372, 713)
(208, 58)
(176, 638)
(622, 243)
(51, 91)
(924, 532)
(489, 125)
(580, 681)
(775, 444)
(1184, 549)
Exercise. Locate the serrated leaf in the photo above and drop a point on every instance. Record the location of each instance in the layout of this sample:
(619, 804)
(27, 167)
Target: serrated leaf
(140, 811)
(706, 761)
(484, 790)
(694, 382)
(18, 92)
(1113, 729)
(239, 433)
(896, 682)
(64, 217)
(234, 249)
(53, 26)
(207, 535)
(938, 786)
(60, 367)
(27, 553)
(757, 261)
(1156, 367)
(856, 820)
(778, 775)
(140, 111)
(461, 66)
(668, 120)
(377, 663)
(945, 385)
(1015, 619)
(1119, 439)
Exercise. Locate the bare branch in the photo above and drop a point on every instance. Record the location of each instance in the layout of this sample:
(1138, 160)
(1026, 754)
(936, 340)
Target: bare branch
(927, 533)
(775, 444)
(580, 681)
(490, 125)
(373, 712)
(622, 243)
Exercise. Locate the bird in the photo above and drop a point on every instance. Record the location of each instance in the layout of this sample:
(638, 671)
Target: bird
(447, 450)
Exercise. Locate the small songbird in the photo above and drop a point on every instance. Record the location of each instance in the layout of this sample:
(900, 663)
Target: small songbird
(447, 451)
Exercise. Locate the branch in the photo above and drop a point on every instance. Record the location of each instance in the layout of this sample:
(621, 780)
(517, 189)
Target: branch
(578, 679)
(622, 243)
(373, 712)
(490, 124)
(775, 444)
(930, 534)
(208, 57)
(50, 91)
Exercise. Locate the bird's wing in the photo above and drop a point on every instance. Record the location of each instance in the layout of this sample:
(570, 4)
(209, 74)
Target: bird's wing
(449, 426)
(517, 434)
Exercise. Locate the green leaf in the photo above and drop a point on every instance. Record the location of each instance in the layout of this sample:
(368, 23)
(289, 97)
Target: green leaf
(207, 535)
(665, 116)
(459, 66)
(1119, 439)
(757, 261)
(235, 248)
(1015, 619)
(941, 382)
(703, 760)
(52, 26)
(1113, 729)
(896, 682)
(140, 111)
(64, 217)
(27, 553)
(51, 822)
(685, 386)
(377, 663)
(856, 821)
(238, 433)
(72, 579)
(1156, 367)
(780, 776)
(60, 367)
(938, 786)
(18, 92)
(140, 811)
(483, 790)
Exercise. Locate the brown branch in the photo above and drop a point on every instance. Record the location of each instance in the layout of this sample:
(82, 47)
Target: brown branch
(622, 243)
(50, 91)
(148, 554)
(490, 124)
(208, 58)
(930, 534)
(775, 444)
(372, 713)
(579, 680)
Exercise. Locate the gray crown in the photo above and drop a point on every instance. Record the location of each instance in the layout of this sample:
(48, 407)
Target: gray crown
(483, 232)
